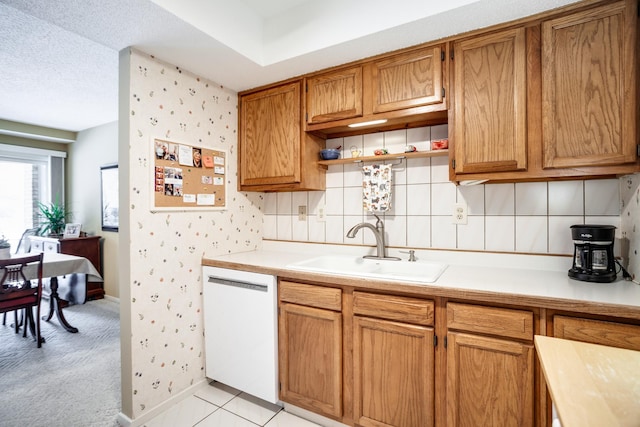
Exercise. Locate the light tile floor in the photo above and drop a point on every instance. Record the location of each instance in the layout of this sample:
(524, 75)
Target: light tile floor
(222, 406)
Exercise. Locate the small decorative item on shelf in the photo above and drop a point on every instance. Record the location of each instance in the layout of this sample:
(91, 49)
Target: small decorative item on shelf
(330, 153)
(381, 151)
(440, 144)
(354, 151)
(5, 248)
(410, 149)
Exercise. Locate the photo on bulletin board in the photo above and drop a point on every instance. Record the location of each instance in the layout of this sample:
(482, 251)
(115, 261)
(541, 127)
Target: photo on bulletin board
(187, 176)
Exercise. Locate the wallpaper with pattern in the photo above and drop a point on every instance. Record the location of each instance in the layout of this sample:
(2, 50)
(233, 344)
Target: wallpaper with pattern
(630, 196)
(166, 248)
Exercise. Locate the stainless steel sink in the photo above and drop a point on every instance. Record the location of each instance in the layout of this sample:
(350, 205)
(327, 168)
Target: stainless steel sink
(417, 272)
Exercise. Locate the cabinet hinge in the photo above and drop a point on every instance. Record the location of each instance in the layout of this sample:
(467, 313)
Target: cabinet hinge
(306, 87)
(443, 92)
(453, 164)
(442, 56)
(306, 117)
(638, 150)
(280, 386)
(435, 340)
(451, 54)
(445, 341)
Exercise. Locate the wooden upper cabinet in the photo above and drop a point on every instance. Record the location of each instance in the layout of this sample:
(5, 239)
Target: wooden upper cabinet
(334, 95)
(589, 93)
(407, 80)
(489, 115)
(405, 88)
(274, 152)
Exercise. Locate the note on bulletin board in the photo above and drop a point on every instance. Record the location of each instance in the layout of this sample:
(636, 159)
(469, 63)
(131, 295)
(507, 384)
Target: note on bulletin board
(187, 177)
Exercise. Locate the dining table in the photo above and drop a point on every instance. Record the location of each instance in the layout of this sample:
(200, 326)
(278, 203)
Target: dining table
(56, 265)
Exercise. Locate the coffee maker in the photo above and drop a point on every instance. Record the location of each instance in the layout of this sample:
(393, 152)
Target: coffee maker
(593, 259)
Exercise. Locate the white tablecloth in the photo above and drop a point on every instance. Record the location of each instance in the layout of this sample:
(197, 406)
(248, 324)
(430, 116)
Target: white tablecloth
(56, 264)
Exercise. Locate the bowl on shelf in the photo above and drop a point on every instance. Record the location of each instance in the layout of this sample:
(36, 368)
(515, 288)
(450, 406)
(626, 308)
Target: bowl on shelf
(329, 154)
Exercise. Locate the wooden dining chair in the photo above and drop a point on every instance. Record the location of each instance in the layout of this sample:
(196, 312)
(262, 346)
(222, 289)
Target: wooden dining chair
(17, 292)
(24, 246)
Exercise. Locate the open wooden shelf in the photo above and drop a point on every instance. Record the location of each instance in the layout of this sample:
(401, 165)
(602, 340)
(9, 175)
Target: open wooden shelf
(362, 159)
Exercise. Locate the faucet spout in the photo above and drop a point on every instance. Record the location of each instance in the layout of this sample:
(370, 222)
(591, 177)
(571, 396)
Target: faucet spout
(378, 232)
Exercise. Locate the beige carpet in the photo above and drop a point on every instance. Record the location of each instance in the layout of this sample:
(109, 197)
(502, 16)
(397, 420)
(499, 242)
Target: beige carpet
(73, 380)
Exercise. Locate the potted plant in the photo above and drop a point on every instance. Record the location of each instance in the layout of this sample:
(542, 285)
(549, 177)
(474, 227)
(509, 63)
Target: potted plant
(53, 219)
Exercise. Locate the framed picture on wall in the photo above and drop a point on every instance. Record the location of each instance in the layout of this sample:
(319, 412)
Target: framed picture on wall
(109, 196)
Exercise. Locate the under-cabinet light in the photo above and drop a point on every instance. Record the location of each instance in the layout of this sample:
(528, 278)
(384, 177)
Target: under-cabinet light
(372, 122)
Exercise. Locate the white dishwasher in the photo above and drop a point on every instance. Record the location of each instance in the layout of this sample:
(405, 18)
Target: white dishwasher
(240, 330)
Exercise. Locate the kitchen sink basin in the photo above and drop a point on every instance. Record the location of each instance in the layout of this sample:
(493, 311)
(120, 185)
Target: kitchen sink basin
(418, 271)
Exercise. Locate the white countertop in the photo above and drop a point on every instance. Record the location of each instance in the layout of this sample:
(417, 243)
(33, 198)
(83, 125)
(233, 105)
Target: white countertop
(533, 276)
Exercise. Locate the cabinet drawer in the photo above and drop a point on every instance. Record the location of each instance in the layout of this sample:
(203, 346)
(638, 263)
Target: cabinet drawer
(597, 332)
(313, 296)
(502, 322)
(411, 310)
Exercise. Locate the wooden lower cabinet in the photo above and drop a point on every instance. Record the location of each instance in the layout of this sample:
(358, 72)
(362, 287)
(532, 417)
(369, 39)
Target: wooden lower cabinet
(490, 366)
(310, 349)
(393, 373)
(490, 381)
(594, 331)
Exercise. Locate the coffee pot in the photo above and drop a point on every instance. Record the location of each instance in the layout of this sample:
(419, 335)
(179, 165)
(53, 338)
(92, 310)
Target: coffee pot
(593, 259)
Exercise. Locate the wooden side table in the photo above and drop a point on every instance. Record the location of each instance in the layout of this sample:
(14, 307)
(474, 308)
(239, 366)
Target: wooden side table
(84, 246)
(88, 247)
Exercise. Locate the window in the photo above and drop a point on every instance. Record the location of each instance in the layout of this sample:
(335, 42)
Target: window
(31, 176)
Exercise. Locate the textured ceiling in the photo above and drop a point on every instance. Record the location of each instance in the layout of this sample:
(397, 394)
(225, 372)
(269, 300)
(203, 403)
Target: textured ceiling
(59, 60)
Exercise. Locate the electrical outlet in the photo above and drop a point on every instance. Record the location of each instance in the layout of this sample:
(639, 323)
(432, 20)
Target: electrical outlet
(322, 216)
(460, 213)
(302, 213)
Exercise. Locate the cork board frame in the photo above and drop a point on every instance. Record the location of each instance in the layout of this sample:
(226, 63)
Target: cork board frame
(187, 177)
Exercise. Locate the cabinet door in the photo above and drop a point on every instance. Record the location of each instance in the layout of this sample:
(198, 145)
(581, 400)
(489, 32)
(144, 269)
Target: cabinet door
(407, 80)
(334, 96)
(589, 94)
(310, 342)
(270, 136)
(489, 117)
(393, 374)
(489, 382)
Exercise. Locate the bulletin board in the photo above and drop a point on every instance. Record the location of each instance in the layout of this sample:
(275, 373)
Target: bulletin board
(187, 177)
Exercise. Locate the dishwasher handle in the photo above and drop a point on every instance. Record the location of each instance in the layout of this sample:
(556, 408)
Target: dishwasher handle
(238, 284)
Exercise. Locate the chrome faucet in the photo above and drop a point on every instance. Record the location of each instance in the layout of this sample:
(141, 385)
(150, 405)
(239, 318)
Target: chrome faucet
(378, 232)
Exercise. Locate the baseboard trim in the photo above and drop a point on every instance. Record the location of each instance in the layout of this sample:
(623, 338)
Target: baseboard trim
(112, 299)
(124, 421)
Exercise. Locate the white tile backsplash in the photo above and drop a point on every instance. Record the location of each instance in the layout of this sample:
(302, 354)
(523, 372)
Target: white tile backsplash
(560, 233)
(284, 227)
(531, 198)
(443, 198)
(440, 169)
(443, 232)
(531, 232)
(284, 203)
(500, 199)
(418, 231)
(353, 201)
(473, 197)
(419, 171)
(500, 233)
(528, 217)
(471, 235)
(602, 197)
(566, 198)
(395, 141)
(419, 138)
(418, 197)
